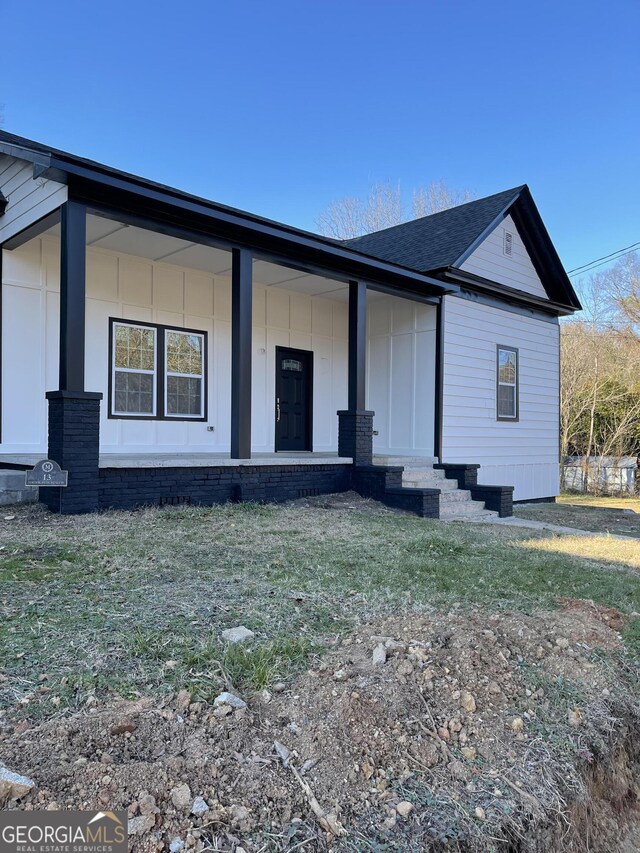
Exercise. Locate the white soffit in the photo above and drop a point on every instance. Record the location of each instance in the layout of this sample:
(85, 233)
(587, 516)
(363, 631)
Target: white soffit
(199, 257)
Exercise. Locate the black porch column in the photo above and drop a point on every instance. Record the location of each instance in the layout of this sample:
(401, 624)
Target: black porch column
(355, 425)
(241, 320)
(73, 240)
(357, 344)
(74, 414)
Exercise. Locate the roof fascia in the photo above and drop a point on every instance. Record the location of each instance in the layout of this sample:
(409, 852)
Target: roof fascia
(525, 214)
(509, 294)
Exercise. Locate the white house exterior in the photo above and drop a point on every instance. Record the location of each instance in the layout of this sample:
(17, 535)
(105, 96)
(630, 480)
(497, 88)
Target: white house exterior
(166, 348)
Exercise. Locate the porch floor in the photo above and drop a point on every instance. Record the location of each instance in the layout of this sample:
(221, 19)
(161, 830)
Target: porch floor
(189, 460)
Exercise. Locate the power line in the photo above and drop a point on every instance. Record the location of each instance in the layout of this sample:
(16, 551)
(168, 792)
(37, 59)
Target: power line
(625, 249)
(601, 264)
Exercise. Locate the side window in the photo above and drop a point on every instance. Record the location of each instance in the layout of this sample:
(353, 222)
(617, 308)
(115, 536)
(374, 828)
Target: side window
(507, 390)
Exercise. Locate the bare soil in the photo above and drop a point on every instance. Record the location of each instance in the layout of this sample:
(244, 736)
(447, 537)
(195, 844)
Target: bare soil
(484, 731)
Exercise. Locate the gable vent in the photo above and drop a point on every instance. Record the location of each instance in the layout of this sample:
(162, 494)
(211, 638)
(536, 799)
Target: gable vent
(508, 243)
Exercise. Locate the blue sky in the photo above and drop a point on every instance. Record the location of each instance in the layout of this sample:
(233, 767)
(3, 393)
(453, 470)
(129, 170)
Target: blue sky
(280, 107)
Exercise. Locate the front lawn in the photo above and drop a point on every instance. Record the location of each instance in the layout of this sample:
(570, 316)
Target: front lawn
(133, 602)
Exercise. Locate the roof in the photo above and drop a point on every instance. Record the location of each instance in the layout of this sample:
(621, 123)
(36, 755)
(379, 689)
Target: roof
(436, 241)
(101, 186)
(418, 254)
(444, 240)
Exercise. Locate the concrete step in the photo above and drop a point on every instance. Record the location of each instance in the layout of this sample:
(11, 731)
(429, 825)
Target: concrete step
(426, 481)
(426, 471)
(465, 510)
(456, 496)
(10, 479)
(405, 461)
(13, 489)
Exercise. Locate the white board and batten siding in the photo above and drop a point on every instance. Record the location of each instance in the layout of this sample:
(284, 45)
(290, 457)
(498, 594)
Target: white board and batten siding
(29, 198)
(516, 270)
(131, 288)
(401, 353)
(523, 453)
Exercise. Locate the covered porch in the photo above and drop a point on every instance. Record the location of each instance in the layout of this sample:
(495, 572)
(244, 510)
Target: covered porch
(252, 301)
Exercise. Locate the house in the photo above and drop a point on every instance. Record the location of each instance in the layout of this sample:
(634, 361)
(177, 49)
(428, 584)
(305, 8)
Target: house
(162, 348)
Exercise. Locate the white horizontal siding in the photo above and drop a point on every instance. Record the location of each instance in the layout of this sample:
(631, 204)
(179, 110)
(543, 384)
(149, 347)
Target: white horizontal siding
(29, 199)
(490, 261)
(523, 453)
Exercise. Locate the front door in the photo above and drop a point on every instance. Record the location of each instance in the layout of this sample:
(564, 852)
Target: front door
(294, 389)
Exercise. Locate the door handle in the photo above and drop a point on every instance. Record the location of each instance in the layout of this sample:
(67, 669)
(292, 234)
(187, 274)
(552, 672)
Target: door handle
(278, 410)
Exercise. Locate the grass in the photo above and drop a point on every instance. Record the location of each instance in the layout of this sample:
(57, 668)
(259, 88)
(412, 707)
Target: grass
(605, 548)
(133, 603)
(587, 512)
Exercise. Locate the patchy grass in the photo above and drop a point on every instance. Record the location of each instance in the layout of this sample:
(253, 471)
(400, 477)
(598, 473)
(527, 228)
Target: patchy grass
(587, 512)
(576, 499)
(133, 603)
(622, 551)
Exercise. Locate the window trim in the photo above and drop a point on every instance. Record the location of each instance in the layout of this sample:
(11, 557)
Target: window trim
(516, 417)
(160, 331)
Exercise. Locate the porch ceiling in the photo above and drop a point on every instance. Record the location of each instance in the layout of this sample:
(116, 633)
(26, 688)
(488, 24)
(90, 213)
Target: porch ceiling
(128, 239)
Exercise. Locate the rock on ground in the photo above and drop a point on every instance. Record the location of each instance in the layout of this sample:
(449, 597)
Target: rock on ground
(240, 634)
(226, 698)
(13, 785)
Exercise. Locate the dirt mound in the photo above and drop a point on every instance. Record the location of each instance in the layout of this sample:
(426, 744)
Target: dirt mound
(470, 732)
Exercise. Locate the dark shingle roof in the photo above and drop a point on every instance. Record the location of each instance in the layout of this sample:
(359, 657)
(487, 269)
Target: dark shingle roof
(436, 241)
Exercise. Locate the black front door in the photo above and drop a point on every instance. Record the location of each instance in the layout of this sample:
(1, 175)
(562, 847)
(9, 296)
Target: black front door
(294, 389)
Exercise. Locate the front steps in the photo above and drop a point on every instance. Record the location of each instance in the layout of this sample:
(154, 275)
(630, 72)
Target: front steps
(13, 489)
(455, 504)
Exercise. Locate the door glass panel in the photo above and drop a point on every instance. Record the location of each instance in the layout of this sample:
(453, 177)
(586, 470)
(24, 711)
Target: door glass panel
(292, 364)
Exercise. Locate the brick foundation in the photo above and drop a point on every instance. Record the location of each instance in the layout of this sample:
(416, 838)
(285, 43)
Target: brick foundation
(126, 488)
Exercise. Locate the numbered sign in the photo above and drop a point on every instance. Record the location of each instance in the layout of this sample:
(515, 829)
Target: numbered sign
(46, 473)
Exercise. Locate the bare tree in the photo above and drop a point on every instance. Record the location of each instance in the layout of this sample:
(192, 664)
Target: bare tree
(622, 283)
(437, 196)
(383, 207)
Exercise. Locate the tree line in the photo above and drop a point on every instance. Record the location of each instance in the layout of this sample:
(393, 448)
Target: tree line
(600, 366)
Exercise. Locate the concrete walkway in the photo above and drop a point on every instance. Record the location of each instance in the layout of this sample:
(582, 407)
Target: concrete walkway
(513, 521)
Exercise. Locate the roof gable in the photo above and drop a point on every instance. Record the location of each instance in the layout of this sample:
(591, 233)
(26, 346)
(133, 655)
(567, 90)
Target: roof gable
(503, 258)
(445, 241)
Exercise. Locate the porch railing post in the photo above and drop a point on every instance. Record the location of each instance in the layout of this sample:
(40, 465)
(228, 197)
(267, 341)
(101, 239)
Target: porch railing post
(241, 320)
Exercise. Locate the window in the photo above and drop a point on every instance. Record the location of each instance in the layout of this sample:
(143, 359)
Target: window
(134, 370)
(184, 374)
(157, 372)
(507, 384)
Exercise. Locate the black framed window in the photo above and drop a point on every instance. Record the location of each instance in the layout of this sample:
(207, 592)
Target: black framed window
(507, 384)
(157, 372)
